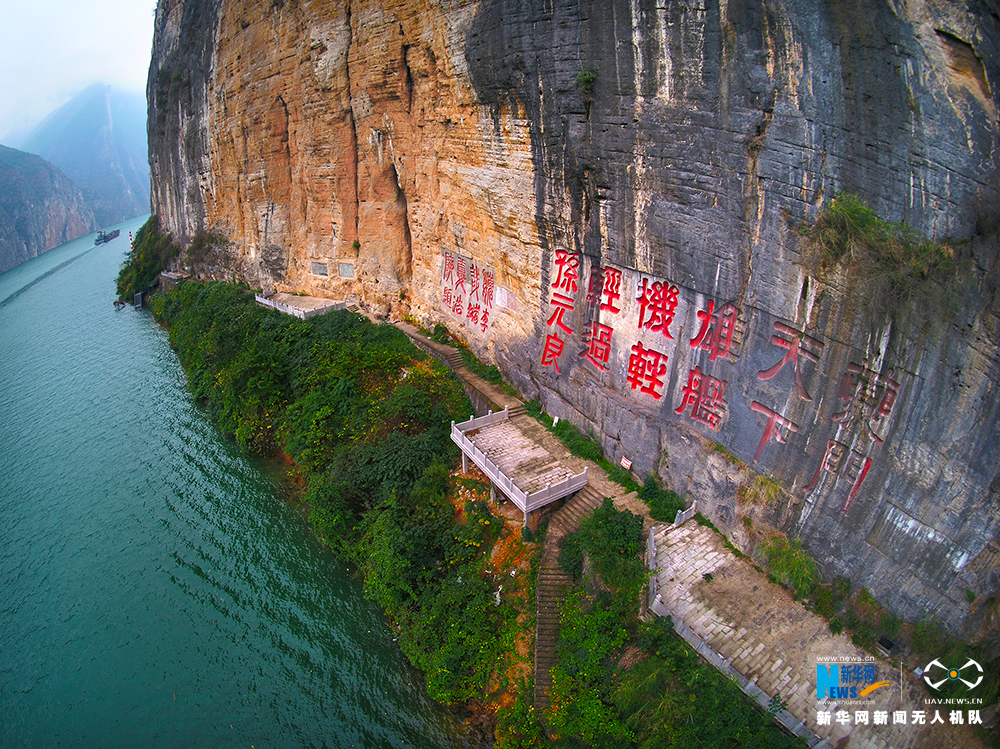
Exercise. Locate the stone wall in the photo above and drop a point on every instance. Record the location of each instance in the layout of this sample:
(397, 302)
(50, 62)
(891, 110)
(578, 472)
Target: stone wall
(605, 200)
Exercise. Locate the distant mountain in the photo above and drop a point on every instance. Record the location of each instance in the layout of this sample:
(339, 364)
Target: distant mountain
(99, 140)
(40, 208)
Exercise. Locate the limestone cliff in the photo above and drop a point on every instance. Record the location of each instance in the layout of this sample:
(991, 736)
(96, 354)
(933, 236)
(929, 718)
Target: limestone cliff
(604, 198)
(40, 208)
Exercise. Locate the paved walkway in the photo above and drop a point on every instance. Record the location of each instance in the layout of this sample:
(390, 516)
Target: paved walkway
(747, 625)
(742, 623)
(528, 464)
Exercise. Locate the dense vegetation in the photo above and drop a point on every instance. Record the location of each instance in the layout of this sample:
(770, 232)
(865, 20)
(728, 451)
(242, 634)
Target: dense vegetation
(149, 255)
(621, 682)
(366, 417)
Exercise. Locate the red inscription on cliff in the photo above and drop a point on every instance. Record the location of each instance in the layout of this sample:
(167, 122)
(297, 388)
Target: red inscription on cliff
(657, 304)
(646, 368)
(716, 333)
(776, 423)
(797, 343)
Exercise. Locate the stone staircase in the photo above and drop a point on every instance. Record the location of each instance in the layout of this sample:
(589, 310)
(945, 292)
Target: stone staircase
(454, 359)
(552, 585)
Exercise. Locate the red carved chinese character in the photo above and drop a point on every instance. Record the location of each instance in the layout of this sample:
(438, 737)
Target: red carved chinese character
(449, 268)
(457, 307)
(484, 319)
(460, 275)
(646, 368)
(888, 392)
(474, 281)
(569, 271)
(716, 334)
(598, 340)
(847, 391)
(561, 302)
(488, 287)
(797, 342)
(473, 313)
(774, 421)
(856, 469)
(553, 350)
(705, 396)
(446, 297)
(611, 292)
(832, 456)
(660, 301)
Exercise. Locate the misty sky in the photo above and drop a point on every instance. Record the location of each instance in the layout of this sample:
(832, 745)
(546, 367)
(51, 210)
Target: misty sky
(50, 50)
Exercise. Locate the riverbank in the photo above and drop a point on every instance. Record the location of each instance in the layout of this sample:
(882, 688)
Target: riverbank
(365, 417)
(133, 529)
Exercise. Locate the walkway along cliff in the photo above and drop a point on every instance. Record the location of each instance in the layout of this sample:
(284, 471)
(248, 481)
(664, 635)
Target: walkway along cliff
(611, 201)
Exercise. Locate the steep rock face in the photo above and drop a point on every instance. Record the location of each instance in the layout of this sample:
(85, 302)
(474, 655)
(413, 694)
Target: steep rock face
(603, 198)
(40, 208)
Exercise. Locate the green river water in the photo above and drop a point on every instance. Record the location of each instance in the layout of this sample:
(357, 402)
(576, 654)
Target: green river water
(156, 590)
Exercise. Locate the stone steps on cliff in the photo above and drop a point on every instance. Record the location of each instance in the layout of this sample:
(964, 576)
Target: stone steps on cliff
(551, 587)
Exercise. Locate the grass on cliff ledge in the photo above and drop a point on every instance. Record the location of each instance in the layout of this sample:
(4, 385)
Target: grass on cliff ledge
(895, 268)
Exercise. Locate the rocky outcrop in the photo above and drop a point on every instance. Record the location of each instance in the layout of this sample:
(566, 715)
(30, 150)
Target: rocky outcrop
(605, 199)
(40, 208)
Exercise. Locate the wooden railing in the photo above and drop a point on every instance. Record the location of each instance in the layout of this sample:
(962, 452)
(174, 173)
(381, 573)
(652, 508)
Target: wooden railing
(526, 502)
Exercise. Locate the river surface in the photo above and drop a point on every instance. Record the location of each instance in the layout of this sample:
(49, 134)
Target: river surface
(156, 589)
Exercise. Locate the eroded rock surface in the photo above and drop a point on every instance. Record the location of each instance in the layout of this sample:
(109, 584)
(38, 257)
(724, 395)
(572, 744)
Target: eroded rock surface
(604, 199)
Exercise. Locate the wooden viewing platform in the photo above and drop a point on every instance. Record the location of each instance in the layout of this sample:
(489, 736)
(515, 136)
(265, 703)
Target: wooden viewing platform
(524, 471)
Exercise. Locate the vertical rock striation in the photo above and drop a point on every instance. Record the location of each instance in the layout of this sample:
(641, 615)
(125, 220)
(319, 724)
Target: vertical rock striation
(604, 199)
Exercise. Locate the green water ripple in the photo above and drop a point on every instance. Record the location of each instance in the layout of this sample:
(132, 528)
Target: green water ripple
(157, 590)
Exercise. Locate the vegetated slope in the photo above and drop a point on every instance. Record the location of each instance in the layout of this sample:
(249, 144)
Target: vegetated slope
(366, 416)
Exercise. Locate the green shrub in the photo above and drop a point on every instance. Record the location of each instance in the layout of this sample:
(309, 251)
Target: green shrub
(571, 556)
(585, 81)
(762, 492)
(579, 444)
(620, 476)
(440, 334)
(893, 265)
(149, 255)
(673, 699)
(790, 564)
(664, 504)
(517, 726)
(725, 453)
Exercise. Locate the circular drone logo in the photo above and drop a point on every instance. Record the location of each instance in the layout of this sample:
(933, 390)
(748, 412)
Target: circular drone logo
(935, 668)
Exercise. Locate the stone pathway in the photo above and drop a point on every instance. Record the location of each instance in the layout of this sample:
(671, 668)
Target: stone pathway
(746, 625)
(738, 620)
(528, 464)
